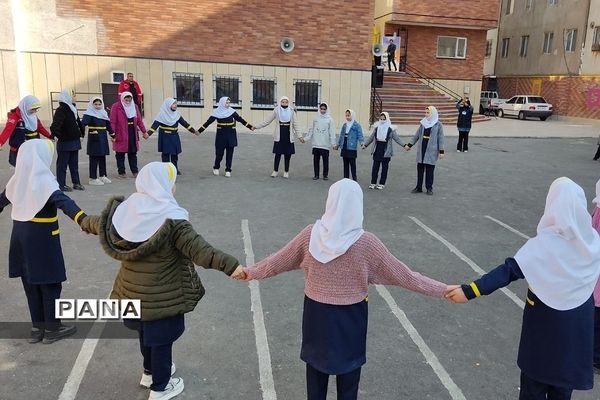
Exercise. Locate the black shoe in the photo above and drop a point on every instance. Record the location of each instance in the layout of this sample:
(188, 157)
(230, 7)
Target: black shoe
(595, 158)
(78, 186)
(417, 190)
(62, 332)
(315, 178)
(179, 172)
(325, 178)
(66, 188)
(429, 192)
(36, 335)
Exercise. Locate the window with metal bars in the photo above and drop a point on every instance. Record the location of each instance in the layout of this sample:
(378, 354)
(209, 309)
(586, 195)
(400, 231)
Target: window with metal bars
(307, 94)
(227, 86)
(263, 93)
(189, 89)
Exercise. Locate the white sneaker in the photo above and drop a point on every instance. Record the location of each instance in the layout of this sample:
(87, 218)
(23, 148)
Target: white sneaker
(146, 380)
(372, 186)
(274, 174)
(174, 387)
(458, 151)
(228, 174)
(379, 187)
(96, 182)
(105, 179)
(286, 175)
(215, 172)
(466, 151)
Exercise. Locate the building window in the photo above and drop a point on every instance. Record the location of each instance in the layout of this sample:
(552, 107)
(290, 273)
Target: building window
(117, 76)
(505, 44)
(553, 2)
(596, 41)
(548, 39)
(307, 94)
(528, 4)
(509, 7)
(488, 48)
(227, 86)
(524, 45)
(189, 89)
(263, 93)
(451, 47)
(571, 40)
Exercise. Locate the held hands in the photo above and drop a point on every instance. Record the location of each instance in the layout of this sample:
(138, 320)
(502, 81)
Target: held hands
(441, 155)
(239, 274)
(253, 129)
(335, 147)
(406, 147)
(145, 135)
(362, 146)
(455, 294)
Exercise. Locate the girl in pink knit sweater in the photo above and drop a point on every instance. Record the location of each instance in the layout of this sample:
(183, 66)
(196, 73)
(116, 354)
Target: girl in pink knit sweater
(339, 260)
(596, 225)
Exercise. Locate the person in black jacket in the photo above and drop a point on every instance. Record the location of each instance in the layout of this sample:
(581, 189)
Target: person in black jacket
(391, 55)
(465, 115)
(67, 128)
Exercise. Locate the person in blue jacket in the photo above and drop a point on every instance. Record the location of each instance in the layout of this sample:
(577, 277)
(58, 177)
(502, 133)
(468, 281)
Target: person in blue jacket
(166, 122)
(35, 254)
(99, 129)
(351, 135)
(561, 265)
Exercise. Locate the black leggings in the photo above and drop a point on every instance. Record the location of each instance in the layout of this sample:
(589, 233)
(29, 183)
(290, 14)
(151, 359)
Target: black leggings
(97, 163)
(286, 162)
(349, 166)
(346, 384)
(173, 158)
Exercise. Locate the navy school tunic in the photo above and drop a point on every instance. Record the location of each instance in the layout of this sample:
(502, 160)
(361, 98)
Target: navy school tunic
(98, 131)
(556, 347)
(168, 136)
(17, 138)
(226, 133)
(35, 251)
(284, 146)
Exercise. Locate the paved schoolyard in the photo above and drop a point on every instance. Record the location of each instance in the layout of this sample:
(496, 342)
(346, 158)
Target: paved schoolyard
(243, 336)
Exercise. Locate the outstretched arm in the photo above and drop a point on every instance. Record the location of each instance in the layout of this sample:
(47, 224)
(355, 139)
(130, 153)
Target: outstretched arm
(205, 125)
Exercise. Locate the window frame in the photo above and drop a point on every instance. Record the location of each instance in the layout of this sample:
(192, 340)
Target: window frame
(455, 57)
(528, 5)
(509, 7)
(304, 107)
(505, 49)
(184, 103)
(552, 2)
(596, 39)
(548, 43)
(255, 106)
(113, 73)
(236, 105)
(524, 46)
(571, 42)
(489, 44)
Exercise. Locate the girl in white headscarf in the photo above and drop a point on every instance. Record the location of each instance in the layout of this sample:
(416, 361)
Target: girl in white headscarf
(166, 122)
(150, 234)
(286, 128)
(126, 120)
(351, 135)
(99, 130)
(22, 124)
(226, 137)
(596, 226)
(383, 150)
(322, 133)
(340, 260)
(35, 253)
(561, 265)
(430, 147)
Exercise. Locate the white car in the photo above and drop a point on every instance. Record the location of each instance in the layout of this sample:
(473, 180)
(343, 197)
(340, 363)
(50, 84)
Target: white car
(524, 106)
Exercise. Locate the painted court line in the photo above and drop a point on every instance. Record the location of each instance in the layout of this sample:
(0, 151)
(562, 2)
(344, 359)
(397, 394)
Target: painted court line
(267, 383)
(429, 355)
(467, 260)
(510, 228)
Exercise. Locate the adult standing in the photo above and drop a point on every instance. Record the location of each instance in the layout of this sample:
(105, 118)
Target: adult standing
(66, 127)
(130, 85)
(322, 133)
(430, 146)
(391, 55)
(126, 121)
(465, 115)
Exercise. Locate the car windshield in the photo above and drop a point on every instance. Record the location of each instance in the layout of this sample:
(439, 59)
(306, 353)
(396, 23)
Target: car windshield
(536, 99)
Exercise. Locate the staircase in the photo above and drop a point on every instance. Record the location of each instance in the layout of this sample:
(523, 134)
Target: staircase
(406, 99)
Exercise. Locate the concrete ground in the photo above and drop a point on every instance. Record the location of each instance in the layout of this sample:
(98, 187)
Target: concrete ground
(243, 341)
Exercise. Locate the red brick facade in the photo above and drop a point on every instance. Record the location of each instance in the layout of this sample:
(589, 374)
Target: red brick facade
(234, 31)
(570, 96)
(481, 14)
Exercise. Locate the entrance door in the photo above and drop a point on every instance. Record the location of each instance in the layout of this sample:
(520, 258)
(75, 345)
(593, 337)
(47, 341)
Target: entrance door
(109, 94)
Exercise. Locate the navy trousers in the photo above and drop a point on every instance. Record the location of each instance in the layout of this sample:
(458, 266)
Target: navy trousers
(597, 336)
(346, 384)
(172, 158)
(219, 151)
(132, 158)
(40, 299)
(317, 155)
(385, 163)
(428, 170)
(534, 390)
(157, 361)
(349, 167)
(286, 162)
(66, 159)
(97, 163)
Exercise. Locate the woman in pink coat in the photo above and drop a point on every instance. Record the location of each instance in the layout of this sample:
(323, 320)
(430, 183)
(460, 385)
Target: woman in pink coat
(596, 225)
(126, 119)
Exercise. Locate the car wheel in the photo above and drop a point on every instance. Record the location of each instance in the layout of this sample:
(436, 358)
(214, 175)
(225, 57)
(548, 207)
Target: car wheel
(521, 115)
(501, 113)
(543, 118)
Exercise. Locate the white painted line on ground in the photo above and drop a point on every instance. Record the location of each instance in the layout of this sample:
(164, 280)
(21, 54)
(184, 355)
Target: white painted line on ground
(467, 260)
(267, 383)
(429, 355)
(510, 228)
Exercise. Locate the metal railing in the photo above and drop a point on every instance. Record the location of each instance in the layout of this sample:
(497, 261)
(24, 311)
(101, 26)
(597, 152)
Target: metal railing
(432, 83)
(376, 106)
(81, 100)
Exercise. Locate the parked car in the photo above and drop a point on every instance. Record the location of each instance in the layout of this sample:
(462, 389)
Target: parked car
(523, 106)
(489, 101)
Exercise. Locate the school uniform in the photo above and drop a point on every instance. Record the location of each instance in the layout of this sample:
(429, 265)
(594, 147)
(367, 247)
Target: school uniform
(99, 129)
(383, 150)
(351, 135)
(430, 144)
(322, 136)
(66, 127)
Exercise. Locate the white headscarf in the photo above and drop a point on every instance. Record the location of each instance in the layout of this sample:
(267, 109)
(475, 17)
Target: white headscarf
(222, 111)
(33, 182)
(284, 114)
(166, 115)
(91, 110)
(327, 114)
(351, 122)
(432, 119)
(382, 127)
(562, 262)
(341, 225)
(144, 212)
(596, 199)
(130, 110)
(66, 96)
(29, 120)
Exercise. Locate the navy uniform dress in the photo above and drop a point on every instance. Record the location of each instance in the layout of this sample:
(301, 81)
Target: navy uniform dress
(555, 352)
(18, 137)
(35, 255)
(226, 138)
(97, 143)
(169, 143)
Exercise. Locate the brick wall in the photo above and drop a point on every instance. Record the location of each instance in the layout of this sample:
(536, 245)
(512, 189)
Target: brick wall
(422, 51)
(475, 13)
(234, 31)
